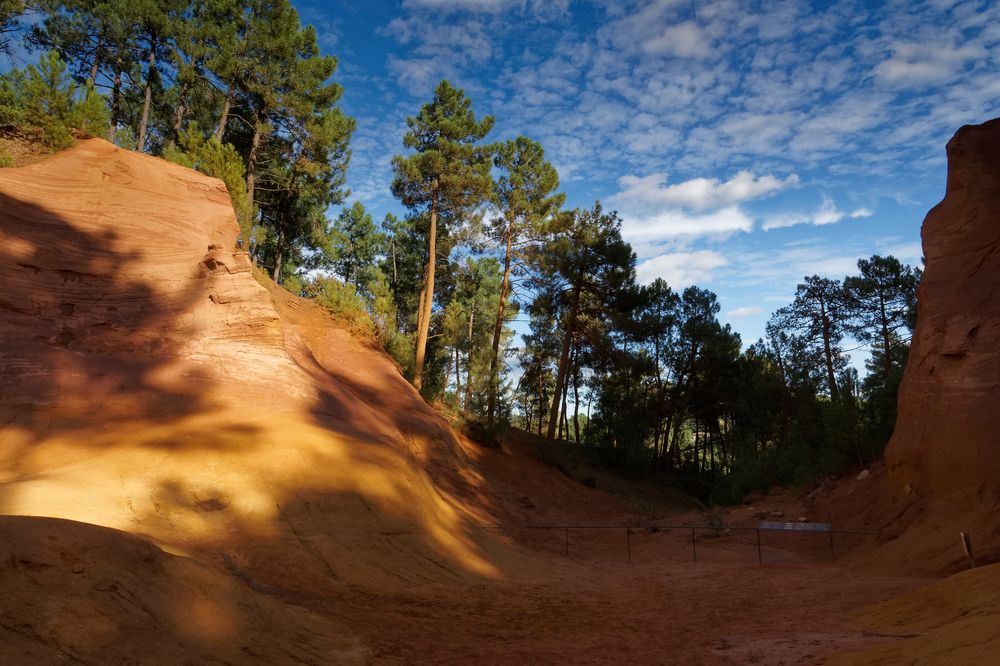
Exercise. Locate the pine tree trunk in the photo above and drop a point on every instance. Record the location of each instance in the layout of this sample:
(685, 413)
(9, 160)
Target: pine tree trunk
(115, 102)
(564, 423)
(420, 298)
(278, 254)
(886, 343)
(563, 364)
(220, 129)
(140, 141)
(428, 304)
(828, 356)
(576, 396)
(95, 66)
(458, 375)
(541, 403)
(179, 114)
(497, 332)
(468, 363)
(252, 161)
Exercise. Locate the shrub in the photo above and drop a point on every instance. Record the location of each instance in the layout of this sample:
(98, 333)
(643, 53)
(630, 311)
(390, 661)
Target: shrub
(89, 113)
(45, 96)
(217, 160)
(343, 302)
(11, 110)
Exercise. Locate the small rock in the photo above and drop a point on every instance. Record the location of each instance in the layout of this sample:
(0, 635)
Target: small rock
(777, 514)
(907, 489)
(78, 568)
(863, 475)
(803, 519)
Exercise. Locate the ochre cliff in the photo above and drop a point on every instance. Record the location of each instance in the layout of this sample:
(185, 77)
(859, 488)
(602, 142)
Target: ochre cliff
(946, 437)
(199, 466)
(150, 385)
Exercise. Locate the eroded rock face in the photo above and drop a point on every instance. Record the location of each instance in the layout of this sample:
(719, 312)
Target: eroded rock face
(947, 436)
(122, 285)
(149, 383)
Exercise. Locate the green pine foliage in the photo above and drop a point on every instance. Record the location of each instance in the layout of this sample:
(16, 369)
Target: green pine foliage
(46, 97)
(11, 108)
(343, 302)
(445, 177)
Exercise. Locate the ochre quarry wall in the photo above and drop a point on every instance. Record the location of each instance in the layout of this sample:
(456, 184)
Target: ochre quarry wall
(947, 435)
(149, 383)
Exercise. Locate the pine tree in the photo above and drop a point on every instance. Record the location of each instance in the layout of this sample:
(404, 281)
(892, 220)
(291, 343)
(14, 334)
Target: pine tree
(352, 245)
(524, 197)
(447, 175)
(819, 315)
(95, 39)
(49, 99)
(595, 266)
(10, 24)
(880, 301)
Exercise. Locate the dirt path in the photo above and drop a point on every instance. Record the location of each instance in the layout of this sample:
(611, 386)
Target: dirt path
(591, 611)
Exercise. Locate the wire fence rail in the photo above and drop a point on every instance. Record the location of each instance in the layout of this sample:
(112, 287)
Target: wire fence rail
(800, 528)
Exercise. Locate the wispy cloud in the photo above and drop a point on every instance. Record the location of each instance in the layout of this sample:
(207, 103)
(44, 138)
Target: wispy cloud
(827, 213)
(920, 64)
(698, 193)
(746, 311)
(673, 223)
(681, 269)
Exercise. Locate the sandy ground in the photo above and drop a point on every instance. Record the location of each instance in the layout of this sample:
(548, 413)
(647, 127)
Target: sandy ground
(601, 613)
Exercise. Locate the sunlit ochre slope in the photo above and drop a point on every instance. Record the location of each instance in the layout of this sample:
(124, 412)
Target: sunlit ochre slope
(149, 384)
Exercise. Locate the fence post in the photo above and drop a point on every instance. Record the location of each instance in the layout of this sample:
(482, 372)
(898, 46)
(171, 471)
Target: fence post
(833, 555)
(694, 549)
(760, 558)
(628, 543)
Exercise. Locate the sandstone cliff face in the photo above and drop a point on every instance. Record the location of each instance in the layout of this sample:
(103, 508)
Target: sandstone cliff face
(148, 383)
(947, 436)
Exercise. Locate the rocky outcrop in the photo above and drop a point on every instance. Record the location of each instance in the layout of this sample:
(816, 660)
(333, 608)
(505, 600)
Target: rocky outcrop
(946, 437)
(150, 383)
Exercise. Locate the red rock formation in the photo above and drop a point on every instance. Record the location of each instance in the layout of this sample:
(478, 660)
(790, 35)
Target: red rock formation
(149, 384)
(947, 436)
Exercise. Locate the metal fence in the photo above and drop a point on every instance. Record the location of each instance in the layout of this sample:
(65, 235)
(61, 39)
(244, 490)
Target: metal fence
(800, 528)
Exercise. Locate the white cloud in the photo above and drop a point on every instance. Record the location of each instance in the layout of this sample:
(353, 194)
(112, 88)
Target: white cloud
(748, 311)
(686, 40)
(698, 193)
(919, 64)
(827, 213)
(542, 9)
(911, 253)
(674, 223)
(681, 269)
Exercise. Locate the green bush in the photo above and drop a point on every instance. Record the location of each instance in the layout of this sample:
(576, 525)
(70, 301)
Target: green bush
(343, 301)
(45, 96)
(217, 160)
(89, 113)
(11, 110)
(6, 159)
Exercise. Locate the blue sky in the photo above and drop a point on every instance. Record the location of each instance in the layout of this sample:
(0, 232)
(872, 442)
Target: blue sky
(745, 144)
